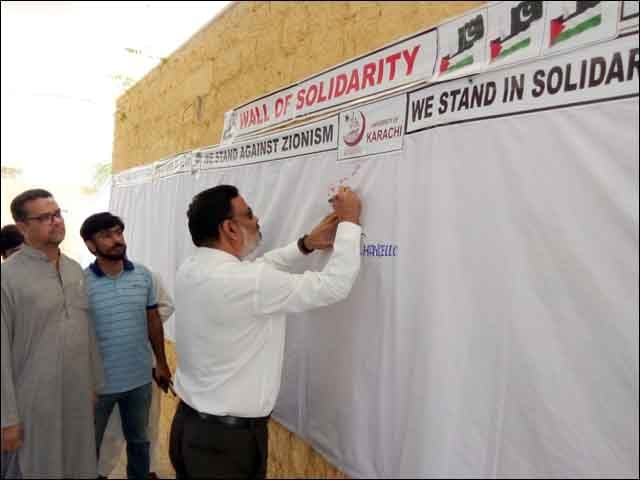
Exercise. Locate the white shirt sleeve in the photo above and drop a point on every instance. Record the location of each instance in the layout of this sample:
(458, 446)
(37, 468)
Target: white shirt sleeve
(285, 258)
(282, 292)
(163, 299)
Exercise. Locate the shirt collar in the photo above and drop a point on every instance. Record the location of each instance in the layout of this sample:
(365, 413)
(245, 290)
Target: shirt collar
(217, 253)
(95, 268)
(34, 253)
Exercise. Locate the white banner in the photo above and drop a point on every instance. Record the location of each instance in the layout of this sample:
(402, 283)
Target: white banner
(570, 25)
(313, 138)
(516, 32)
(493, 329)
(172, 166)
(372, 129)
(398, 64)
(629, 15)
(134, 175)
(595, 73)
(462, 46)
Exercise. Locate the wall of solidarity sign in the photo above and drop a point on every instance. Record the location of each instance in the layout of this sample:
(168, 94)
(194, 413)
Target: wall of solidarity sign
(493, 328)
(490, 38)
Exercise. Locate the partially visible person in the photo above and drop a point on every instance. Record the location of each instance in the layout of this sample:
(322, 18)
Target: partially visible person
(51, 366)
(231, 327)
(10, 240)
(125, 311)
(113, 440)
(165, 310)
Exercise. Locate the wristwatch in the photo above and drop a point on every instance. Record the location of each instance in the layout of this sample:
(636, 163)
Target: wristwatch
(302, 247)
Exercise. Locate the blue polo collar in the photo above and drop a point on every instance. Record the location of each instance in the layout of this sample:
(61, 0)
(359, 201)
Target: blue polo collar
(95, 268)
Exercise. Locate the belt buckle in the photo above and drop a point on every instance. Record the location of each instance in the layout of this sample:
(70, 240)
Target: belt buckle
(233, 422)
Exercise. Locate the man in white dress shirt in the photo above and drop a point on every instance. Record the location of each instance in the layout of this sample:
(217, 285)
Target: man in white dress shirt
(231, 330)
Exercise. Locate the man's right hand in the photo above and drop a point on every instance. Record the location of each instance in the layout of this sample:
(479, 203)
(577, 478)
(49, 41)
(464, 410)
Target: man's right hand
(11, 438)
(347, 205)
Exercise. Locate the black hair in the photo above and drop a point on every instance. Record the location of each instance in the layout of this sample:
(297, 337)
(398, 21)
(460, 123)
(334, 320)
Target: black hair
(18, 212)
(207, 211)
(99, 222)
(10, 237)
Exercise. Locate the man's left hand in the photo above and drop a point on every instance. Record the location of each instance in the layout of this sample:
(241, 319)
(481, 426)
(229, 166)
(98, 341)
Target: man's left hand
(323, 235)
(163, 376)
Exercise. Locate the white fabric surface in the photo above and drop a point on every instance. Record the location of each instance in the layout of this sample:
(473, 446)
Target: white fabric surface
(502, 340)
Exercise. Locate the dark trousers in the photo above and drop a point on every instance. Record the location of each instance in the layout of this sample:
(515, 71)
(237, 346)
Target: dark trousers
(205, 448)
(10, 465)
(134, 413)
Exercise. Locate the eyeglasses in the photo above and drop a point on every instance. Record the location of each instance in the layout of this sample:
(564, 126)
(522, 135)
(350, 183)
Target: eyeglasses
(48, 217)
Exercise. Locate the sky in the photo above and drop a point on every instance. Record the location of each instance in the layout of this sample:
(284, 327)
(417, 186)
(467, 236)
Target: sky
(62, 70)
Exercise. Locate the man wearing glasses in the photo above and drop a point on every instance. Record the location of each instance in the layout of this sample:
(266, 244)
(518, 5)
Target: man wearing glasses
(230, 326)
(51, 367)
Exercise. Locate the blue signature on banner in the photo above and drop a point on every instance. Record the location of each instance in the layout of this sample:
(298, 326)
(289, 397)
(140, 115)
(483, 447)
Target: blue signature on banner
(378, 250)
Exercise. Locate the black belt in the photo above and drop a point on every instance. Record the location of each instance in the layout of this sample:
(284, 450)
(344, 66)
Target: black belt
(228, 420)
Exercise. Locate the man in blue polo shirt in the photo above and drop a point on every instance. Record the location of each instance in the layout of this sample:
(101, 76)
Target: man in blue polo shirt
(124, 309)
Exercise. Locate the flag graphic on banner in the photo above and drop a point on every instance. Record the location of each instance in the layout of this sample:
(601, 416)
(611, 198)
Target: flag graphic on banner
(522, 16)
(446, 66)
(497, 52)
(468, 35)
(557, 28)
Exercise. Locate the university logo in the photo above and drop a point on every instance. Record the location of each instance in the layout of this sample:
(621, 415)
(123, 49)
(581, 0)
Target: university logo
(468, 35)
(521, 18)
(356, 126)
(586, 19)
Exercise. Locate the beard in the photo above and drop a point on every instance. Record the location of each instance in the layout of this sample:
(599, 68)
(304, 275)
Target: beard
(250, 243)
(113, 254)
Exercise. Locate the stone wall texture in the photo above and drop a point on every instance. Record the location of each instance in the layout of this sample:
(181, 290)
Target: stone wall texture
(251, 49)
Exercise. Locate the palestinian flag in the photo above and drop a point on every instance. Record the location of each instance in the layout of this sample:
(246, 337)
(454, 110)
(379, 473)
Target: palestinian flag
(558, 32)
(445, 65)
(497, 52)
